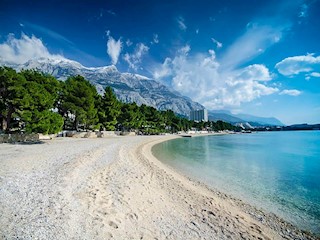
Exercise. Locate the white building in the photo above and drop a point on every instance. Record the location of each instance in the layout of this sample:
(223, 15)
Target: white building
(199, 115)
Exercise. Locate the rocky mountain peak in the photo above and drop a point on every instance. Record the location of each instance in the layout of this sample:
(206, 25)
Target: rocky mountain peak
(128, 87)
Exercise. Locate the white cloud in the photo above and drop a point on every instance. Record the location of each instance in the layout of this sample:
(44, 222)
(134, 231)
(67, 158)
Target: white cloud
(114, 49)
(200, 77)
(127, 58)
(303, 11)
(197, 31)
(251, 44)
(219, 44)
(163, 70)
(181, 23)
(135, 58)
(185, 50)
(19, 51)
(299, 64)
(155, 38)
(315, 74)
(111, 12)
(292, 92)
(255, 72)
(141, 49)
(48, 32)
(129, 43)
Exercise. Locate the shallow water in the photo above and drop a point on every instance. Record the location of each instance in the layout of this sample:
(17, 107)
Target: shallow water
(277, 171)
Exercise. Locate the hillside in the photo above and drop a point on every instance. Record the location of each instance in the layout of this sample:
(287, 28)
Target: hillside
(128, 87)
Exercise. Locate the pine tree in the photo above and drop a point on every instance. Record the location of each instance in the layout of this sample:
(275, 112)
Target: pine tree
(109, 110)
(12, 95)
(130, 117)
(77, 103)
(29, 97)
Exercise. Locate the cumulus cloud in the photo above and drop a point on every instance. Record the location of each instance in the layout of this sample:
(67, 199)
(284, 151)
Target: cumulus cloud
(299, 64)
(292, 92)
(200, 77)
(185, 50)
(163, 70)
(113, 48)
(181, 23)
(19, 51)
(315, 74)
(135, 58)
(255, 72)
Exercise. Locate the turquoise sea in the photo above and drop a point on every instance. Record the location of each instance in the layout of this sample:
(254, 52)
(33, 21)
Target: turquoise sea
(275, 171)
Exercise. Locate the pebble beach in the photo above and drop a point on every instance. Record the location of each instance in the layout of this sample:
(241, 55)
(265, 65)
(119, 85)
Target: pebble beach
(114, 188)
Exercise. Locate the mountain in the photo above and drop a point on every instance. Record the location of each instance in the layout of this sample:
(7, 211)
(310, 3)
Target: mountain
(303, 126)
(223, 116)
(246, 120)
(127, 86)
(260, 120)
(136, 88)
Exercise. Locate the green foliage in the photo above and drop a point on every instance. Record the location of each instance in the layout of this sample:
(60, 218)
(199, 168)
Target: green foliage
(46, 122)
(12, 95)
(77, 103)
(220, 126)
(109, 110)
(29, 98)
(152, 120)
(130, 117)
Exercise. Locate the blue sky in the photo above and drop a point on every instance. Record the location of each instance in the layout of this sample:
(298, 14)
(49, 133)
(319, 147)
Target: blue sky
(250, 56)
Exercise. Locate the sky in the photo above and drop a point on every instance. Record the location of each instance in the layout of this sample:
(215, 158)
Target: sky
(247, 56)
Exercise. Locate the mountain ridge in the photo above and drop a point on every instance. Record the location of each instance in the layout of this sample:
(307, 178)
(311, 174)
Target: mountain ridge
(128, 87)
(247, 119)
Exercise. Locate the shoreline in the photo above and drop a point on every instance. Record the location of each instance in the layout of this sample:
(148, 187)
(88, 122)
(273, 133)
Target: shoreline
(268, 219)
(114, 188)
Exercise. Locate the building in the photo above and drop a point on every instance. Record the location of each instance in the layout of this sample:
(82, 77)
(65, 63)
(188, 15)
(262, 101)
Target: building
(199, 115)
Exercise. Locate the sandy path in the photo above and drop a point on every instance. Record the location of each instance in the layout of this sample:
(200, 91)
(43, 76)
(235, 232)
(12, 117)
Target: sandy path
(111, 189)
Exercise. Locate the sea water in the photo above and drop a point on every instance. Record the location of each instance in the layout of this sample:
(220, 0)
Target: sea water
(275, 171)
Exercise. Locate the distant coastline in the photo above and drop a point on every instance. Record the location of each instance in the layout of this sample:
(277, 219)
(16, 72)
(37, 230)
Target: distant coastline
(295, 127)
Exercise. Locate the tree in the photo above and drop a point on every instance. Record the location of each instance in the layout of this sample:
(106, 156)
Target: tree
(172, 122)
(29, 97)
(38, 115)
(109, 110)
(220, 126)
(130, 117)
(152, 120)
(12, 94)
(46, 122)
(77, 103)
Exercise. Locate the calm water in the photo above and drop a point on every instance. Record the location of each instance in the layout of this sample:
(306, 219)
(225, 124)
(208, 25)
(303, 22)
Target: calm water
(277, 171)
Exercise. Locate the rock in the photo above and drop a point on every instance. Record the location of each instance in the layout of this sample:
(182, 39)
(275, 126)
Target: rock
(128, 87)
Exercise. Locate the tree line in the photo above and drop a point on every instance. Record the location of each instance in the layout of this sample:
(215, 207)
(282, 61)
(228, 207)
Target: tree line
(33, 102)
